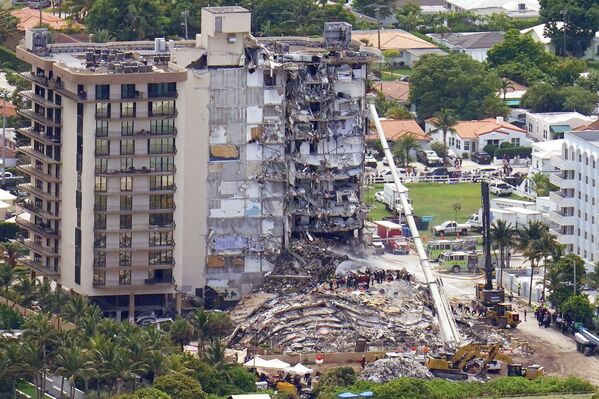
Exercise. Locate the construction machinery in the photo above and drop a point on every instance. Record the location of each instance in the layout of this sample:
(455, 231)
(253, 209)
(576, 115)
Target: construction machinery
(586, 342)
(463, 362)
(503, 315)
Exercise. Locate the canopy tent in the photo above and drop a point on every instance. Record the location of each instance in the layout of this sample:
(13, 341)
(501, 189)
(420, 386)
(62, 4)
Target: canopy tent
(367, 394)
(348, 395)
(273, 364)
(299, 369)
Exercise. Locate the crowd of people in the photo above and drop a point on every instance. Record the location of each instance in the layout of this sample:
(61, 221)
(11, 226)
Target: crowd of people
(546, 318)
(367, 279)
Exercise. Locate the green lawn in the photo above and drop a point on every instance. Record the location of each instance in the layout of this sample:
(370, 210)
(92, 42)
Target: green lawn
(29, 389)
(433, 199)
(395, 73)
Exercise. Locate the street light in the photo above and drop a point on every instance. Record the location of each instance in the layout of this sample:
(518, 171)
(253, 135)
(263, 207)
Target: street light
(456, 207)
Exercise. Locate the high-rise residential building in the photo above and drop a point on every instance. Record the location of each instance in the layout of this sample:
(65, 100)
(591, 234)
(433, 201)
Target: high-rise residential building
(186, 167)
(576, 220)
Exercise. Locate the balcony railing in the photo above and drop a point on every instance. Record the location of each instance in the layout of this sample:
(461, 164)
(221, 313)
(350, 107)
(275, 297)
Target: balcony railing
(36, 247)
(39, 136)
(28, 206)
(31, 114)
(30, 188)
(38, 267)
(162, 95)
(44, 102)
(32, 170)
(36, 228)
(41, 80)
(29, 150)
(116, 228)
(135, 171)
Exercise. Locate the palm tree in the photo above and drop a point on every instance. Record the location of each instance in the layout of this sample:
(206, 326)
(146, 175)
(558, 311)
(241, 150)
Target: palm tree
(26, 288)
(506, 84)
(445, 119)
(71, 362)
(89, 320)
(540, 183)
(403, 146)
(35, 363)
(7, 277)
(502, 235)
(546, 248)
(181, 332)
(75, 307)
(200, 320)
(527, 243)
(10, 252)
(10, 365)
(44, 294)
(410, 21)
(215, 354)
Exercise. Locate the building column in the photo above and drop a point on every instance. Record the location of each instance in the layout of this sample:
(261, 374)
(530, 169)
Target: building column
(178, 302)
(131, 308)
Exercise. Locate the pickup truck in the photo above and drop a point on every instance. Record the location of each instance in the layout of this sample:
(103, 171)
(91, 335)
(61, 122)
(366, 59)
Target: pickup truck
(451, 227)
(429, 158)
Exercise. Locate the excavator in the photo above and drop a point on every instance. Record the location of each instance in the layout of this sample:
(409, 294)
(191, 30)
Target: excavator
(457, 366)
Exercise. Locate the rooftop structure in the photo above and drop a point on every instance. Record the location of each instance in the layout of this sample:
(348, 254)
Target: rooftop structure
(475, 44)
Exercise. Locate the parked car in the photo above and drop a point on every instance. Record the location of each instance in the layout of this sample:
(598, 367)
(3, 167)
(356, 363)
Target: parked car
(451, 227)
(488, 170)
(428, 157)
(379, 196)
(500, 188)
(440, 171)
(481, 158)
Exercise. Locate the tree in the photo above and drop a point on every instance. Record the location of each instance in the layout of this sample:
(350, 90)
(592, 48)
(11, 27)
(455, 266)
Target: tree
(404, 388)
(179, 386)
(578, 99)
(567, 70)
(445, 120)
(336, 377)
(398, 111)
(526, 241)
(593, 277)
(8, 24)
(571, 24)
(542, 97)
(578, 308)
(453, 81)
(403, 146)
(502, 235)
(26, 289)
(505, 86)
(410, 21)
(545, 248)
(70, 362)
(76, 307)
(181, 332)
(215, 354)
(10, 252)
(560, 278)
(7, 277)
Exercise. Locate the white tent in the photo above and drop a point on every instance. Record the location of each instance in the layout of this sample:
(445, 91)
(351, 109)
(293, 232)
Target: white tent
(276, 364)
(257, 363)
(299, 369)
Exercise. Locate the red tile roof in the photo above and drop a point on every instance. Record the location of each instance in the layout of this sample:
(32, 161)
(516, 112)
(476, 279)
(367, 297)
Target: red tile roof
(395, 89)
(395, 129)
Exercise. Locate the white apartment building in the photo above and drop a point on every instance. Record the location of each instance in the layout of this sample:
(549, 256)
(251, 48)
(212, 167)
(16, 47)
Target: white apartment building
(541, 156)
(543, 126)
(166, 169)
(575, 222)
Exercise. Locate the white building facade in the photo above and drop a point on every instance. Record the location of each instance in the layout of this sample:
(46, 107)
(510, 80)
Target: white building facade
(543, 126)
(576, 220)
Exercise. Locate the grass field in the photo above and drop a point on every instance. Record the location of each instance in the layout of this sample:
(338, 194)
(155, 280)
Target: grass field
(395, 73)
(433, 199)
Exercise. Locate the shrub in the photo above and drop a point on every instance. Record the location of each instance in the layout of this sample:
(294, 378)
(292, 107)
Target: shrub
(439, 148)
(490, 149)
(512, 152)
(334, 378)
(179, 386)
(408, 388)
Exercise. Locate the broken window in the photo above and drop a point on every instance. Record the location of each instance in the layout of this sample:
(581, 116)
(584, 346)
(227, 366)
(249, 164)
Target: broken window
(270, 78)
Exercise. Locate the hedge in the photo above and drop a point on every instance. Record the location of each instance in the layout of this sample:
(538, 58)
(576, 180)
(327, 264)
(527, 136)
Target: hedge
(511, 152)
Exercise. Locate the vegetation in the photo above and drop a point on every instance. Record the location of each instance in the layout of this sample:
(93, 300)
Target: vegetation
(457, 82)
(502, 235)
(528, 242)
(560, 278)
(402, 147)
(445, 120)
(578, 308)
(8, 24)
(443, 389)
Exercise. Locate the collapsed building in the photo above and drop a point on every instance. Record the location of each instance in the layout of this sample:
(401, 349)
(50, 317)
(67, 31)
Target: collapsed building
(208, 157)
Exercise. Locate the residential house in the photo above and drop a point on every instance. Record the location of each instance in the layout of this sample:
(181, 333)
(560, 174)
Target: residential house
(542, 126)
(590, 126)
(7, 108)
(395, 129)
(475, 44)
(409, 47)
(541, 156)
(10, 147)
(395, 90)
(519, 9)
(466, 137)
(29, 18)
(537, 33)
(513, 95)
(427, 7)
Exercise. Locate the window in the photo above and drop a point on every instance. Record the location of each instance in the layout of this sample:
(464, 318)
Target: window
(126, 163)
(99, 277)
(127, 147)
(160, 238)
(101, 128)
(101, 165)
(164, 201)
(162, 126)
(100, 258)
(124, 277)
(157, 90)
(458, 144)
(102, 92)
(124, 258)
(127, 109)
(270, 78)
(99, 240)
(100, 202)
(127, 128)
(516, 142)
(162, 164)
(162, 182)
(103, 110)
(100, 184)
(102, 147)
(218, 24)
(99, 222)
(161, 146)
(161, 108)
(126, 202)
(160, 257)
(126, 221)
(125, 240)
(127, 183)
(128, 91)
(161, 219)
(466, 146)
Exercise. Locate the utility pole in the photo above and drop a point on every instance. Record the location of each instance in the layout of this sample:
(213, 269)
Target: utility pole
(185, 14)
(4, 139)
(487, 235)
(575, 290)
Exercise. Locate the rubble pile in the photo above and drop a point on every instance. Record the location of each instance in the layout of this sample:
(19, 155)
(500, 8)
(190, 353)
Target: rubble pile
(391, 315)
(385, 370)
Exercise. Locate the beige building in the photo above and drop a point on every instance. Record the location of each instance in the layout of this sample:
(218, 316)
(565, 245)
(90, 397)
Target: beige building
(168, 169)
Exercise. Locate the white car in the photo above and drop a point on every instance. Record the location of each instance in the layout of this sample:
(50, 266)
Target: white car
(379, 196)
(500, 189)
(488, 171)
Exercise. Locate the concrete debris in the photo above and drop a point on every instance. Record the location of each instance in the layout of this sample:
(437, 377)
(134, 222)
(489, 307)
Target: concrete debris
(385, 370)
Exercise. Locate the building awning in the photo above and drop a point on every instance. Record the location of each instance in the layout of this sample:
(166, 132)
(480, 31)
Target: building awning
(559, 128)
(512, 103)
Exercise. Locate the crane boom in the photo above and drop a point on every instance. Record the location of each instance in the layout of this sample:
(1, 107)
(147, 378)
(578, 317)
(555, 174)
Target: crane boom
(447, 324)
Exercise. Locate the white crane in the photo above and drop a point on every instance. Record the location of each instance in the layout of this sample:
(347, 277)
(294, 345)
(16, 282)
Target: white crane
(447, 324)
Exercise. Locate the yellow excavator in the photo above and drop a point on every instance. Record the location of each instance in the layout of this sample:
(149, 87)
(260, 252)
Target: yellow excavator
(455, 366)
(498, 312)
